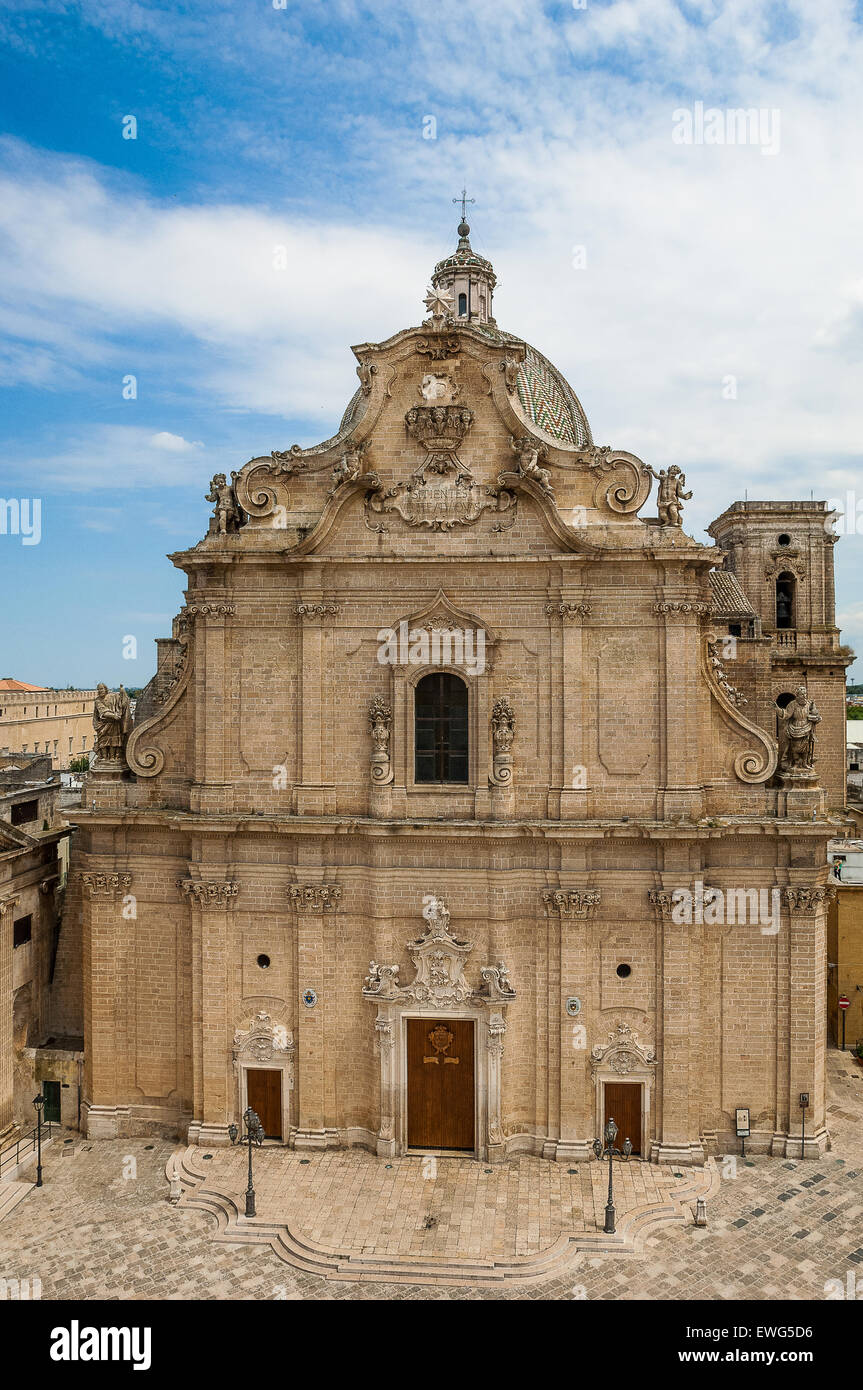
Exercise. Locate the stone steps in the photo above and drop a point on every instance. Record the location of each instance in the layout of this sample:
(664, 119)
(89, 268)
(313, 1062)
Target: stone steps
(11, 1193)
(304, 1254)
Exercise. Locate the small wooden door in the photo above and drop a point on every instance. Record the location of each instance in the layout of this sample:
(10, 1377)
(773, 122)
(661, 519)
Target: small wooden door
(623, 1105)
(440, 1083)
(51, 1092)
(264, 1090)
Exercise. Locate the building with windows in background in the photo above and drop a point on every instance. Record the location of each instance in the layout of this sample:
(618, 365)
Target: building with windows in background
(37, 719)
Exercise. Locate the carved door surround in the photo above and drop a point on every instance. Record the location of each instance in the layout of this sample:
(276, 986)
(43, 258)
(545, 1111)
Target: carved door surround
(440, 617)
(439, 989)
(624, 1058)
(264, 1045)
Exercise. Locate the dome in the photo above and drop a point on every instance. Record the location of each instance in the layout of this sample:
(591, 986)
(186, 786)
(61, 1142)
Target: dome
(548, 402)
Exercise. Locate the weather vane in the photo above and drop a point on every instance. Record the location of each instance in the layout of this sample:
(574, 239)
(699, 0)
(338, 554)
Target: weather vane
(464, 199)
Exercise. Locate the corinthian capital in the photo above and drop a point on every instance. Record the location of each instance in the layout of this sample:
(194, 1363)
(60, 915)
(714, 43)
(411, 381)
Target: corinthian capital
(808, 899)
(104, 885)
(570, 902)
(314, 897)
(208, 894)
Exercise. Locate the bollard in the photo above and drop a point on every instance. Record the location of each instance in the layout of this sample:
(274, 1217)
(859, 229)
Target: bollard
(176, 1191)
(701, 1211)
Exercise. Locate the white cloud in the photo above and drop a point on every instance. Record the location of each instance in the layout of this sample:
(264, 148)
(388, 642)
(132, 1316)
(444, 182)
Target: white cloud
(174, 443)
(121, 457)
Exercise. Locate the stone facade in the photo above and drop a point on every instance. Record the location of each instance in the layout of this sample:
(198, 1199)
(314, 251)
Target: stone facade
(270, 837)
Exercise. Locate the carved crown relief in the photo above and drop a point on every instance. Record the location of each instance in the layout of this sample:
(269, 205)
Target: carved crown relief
(439, 959)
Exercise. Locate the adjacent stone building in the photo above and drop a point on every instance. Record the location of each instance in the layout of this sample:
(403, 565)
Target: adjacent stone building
(466, 809)
(38, 719)
(33, 862)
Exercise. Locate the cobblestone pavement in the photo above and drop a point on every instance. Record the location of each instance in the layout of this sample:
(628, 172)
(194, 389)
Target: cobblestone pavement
(101, 1227)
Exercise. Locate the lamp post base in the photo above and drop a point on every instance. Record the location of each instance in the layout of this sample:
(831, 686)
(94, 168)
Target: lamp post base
(250, 1204)
(609, 1220)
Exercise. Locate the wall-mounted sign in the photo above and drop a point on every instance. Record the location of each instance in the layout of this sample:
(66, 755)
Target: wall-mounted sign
(573, 1006)
(310, 998)
(742, 1122)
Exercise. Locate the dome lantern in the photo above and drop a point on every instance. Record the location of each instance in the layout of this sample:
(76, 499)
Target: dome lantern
(468, 277)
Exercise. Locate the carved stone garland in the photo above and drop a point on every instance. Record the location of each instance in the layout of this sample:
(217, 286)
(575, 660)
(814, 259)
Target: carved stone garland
(439, 984)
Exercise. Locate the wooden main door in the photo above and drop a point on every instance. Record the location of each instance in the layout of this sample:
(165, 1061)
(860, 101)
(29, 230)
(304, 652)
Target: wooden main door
(623, 1105)
(440, 1083)
(264, 1091)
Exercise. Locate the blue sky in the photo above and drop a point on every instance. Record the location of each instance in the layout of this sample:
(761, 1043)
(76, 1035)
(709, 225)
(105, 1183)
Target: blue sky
(306, 127)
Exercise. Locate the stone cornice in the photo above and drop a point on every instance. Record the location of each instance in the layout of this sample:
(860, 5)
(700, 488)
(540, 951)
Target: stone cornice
(607, 831)
(104, 885)
(209, 894)
(314, 897)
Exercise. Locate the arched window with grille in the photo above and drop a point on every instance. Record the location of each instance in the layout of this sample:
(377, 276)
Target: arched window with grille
(440, 729)
(785, 585)
(462, 306)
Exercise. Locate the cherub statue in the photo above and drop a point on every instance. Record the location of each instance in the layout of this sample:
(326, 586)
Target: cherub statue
(529, 452)
(348, 467)
(228, 514)
(670, 498)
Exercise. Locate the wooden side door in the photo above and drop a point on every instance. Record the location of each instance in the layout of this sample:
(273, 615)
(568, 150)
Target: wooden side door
(623, 1105)
(440, 1085)
(264, 1090)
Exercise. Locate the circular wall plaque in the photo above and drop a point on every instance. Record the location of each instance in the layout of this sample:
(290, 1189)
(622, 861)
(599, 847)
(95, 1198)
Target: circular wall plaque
(573, 1006)
(310, 998)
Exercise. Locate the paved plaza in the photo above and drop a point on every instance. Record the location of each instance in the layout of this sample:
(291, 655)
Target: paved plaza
(348, 1225)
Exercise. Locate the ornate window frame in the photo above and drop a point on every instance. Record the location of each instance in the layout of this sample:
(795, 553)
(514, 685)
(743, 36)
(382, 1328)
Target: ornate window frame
(441, 614)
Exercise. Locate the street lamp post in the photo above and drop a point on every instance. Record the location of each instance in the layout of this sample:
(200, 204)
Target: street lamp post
(609, 1151)
(39, 1102)
(254, 1135)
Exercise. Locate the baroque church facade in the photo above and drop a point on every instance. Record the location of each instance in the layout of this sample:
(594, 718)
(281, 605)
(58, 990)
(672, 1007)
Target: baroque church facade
(471, 804)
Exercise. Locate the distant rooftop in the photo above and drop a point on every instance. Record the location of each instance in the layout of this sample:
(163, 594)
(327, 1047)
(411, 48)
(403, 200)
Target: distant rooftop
(9, 683)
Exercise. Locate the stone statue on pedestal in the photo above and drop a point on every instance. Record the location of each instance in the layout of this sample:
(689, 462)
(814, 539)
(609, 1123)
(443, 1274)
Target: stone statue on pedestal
(800, 718)
(112, 724)
(671, 497)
